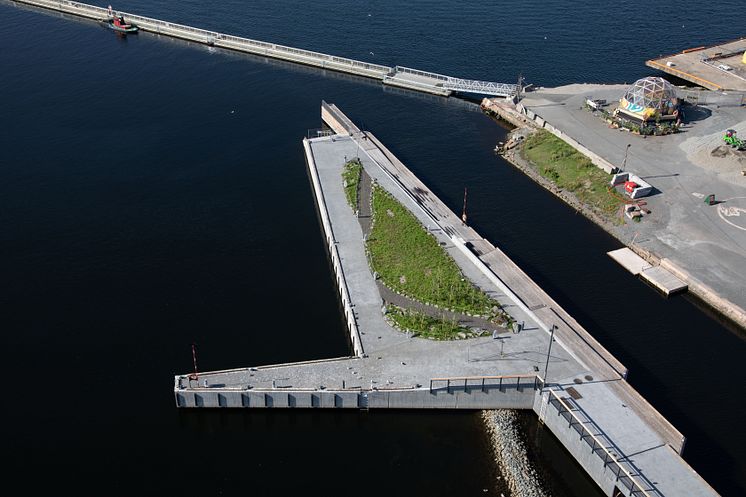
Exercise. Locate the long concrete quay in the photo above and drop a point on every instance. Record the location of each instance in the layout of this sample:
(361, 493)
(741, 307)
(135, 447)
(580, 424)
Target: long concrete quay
(703, 246)
(399, 76)
(623, 443)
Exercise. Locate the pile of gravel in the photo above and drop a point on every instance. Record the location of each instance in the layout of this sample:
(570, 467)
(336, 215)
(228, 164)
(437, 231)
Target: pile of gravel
(711, 153)
(511, 455)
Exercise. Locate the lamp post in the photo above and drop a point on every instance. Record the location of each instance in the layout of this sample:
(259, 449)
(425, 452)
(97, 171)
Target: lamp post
(549, 351)
(626, 151)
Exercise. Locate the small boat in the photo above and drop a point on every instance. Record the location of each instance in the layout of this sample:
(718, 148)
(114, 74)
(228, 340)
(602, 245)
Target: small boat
(122, 26)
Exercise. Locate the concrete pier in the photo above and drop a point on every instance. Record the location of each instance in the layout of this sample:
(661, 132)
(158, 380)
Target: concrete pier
(402, 77)
(622, 442)
(718, 67)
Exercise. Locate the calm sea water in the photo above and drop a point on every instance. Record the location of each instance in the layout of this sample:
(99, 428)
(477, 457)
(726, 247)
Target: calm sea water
(154, 193)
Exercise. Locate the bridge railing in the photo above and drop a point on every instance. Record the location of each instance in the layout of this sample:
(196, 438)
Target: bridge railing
(206, 36)
(417, 72)
(517, 381)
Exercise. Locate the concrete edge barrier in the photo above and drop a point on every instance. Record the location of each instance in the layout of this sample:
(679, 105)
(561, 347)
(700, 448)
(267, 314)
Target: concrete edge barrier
(352, 327)
(273, 366)
(729, 309)
(722, 305)
(414, 398)
(596, 159)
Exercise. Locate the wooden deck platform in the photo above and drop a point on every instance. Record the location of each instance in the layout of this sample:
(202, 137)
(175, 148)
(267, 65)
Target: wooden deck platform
(629, 260)
(719, 67)
(663, 280)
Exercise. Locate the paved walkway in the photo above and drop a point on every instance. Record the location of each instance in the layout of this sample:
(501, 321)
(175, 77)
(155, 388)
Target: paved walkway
(392, 360)
(706, 244)
(391, 297)
(365, 217)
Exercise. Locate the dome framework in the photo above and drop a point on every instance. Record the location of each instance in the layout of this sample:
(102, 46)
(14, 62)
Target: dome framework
(650, 98)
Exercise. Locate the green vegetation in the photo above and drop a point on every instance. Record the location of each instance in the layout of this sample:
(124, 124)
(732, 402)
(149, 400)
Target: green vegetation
(410, 260)
(423, 325)
(570, 170)
(351, 176)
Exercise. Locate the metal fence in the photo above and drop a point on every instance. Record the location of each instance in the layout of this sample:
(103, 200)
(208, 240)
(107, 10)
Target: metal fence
(705, 97)
(483, 383)
(621, 470)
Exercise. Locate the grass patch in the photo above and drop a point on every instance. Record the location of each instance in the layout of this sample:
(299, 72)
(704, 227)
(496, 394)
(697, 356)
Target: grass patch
(570, 170)
(424, 326)
(351, 176)
(410, 260)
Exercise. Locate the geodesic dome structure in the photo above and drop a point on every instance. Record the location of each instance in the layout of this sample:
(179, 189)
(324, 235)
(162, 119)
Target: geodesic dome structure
(650, 98)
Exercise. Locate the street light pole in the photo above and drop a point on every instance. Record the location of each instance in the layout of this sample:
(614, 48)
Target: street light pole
(624, 162)
(549, 351)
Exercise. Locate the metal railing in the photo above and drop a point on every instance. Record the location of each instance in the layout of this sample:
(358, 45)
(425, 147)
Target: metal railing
(385, 73)
(485, 382)
(417, 72)
(617, 467)
(213, 37)
(482, 87)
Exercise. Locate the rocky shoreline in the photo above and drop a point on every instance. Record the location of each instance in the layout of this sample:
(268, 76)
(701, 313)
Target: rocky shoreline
(515, 158)
(511, 455)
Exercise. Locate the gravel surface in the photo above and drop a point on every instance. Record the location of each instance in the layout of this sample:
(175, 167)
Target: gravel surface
(711, 153)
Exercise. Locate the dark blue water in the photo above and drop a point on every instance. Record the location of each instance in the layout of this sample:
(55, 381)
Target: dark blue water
(154, 193)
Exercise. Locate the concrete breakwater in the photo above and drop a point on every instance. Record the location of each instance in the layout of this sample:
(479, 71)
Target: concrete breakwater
(398, 76)
(511, 455)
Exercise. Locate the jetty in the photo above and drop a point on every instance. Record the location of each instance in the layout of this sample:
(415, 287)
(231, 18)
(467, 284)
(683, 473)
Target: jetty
(550, 364)
(398, 76)
(719, 67)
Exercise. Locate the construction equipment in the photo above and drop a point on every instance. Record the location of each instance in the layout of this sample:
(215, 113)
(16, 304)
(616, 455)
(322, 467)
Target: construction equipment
(732, 139)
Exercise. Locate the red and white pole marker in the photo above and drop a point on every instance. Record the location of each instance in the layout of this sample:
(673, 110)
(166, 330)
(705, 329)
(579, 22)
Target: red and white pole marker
(195, 375)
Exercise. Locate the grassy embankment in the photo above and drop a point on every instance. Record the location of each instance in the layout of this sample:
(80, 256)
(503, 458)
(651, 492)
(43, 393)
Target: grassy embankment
(351, 176)
(423, 325)
(570, 170)
(410, 261)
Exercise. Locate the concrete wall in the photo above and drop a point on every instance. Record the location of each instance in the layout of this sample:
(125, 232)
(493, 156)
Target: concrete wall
(596, 159)
(508, 397)
(414, 85)
(222, 398)
(352, 328)
(337, 120)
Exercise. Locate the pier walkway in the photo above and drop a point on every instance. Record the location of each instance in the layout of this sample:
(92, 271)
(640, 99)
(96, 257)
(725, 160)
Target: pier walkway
(620, 440)
(403, 77)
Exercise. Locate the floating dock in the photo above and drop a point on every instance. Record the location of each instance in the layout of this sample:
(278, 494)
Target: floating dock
(720, 67)
(629, 260)
(658, 277)
(663, 280)
(399, 76)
